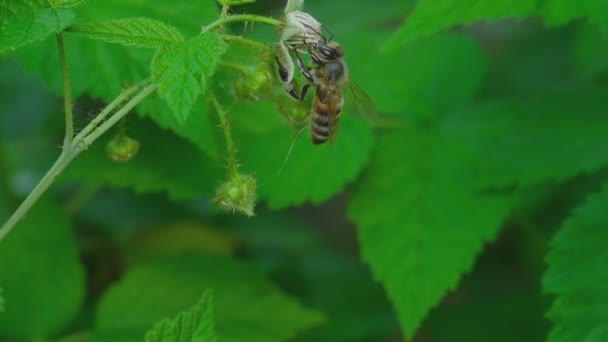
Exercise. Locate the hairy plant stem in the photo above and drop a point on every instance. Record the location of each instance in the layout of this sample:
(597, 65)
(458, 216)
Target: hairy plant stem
(241, 17)
(67, 91)
(81, 142)
(245, 41)
(233, 166)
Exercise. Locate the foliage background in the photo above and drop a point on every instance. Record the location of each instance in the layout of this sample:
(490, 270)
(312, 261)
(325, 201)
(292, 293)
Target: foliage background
(437, 230)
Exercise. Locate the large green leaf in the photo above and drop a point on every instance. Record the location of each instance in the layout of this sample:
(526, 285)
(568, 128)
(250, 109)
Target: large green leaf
(27, 21)
(311, 173)
(549, 137)
(431, 16)
(41, 274)
(577, 274)
(164, 162)
(142, 32)
(247, 306)
(195, 324)
(421, 220)
(102, 69)
(181, 71)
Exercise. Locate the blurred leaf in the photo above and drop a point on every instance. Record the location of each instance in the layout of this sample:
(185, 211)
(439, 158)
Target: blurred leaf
(591, 51)
(195, 324)
(247, 306)
(298, 182)
(427, 77)
(550, 137)
(27, 21)
(41, 275)
(102, 69)
(559, 12)
(431, 16)
(142, 32)
(181, 70)
(164, 163)
(577, 274)
(178, 238)
(1, 300)
(421, 221)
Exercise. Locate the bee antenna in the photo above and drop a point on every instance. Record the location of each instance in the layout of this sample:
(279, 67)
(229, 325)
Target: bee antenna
(293, 143)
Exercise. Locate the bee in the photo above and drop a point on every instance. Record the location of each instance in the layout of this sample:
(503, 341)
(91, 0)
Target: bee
(330, 77)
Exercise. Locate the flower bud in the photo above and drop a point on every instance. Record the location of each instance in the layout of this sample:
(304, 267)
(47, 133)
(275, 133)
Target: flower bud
(121, 148)
(257, 83)
(295, 112)
(238, 193)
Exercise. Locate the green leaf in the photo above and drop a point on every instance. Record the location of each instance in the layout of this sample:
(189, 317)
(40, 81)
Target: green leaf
(577, 274)
(1, 300)
(246, 305)
(195, 324)
(235, 2)
(549, 137)
(181, 70)
(420, 219)
(164, 162)
(102, 69)
(259, 131)
(559, 12)
(427, 77)
(142, 32)
(41, 274)
(431, 16)
(590, 51)
(19, 28)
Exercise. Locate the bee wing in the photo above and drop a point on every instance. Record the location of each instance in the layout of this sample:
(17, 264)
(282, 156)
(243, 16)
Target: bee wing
(367, 108)
(332, 111)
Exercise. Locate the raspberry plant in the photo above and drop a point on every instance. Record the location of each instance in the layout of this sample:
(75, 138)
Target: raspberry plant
(171, 111)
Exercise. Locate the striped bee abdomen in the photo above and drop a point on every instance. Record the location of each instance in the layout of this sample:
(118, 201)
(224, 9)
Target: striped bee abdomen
(325, 113)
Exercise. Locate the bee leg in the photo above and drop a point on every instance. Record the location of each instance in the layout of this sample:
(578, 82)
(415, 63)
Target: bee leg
(288, 86)
(303, 69)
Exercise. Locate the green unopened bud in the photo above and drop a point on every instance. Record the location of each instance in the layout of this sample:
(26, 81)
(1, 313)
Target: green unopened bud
(238, 193)
(121, 148)
(295, 112)
(257, 83)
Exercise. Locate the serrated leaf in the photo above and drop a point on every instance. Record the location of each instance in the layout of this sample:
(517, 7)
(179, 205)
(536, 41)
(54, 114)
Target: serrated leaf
(102, 69)
(41, 273)
(577, 274)
(141, 32)
(298, 182)
(421, 221)
(164, 162)
(550, 137)
(181, 70)
(31, 26)
(195, 324)
(247, 306)
(431, 16)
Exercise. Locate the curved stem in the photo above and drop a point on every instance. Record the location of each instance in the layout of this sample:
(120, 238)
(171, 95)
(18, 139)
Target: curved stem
(241, 17)
(67, 92)
(232, 161)
(78, 144)
(245, 41)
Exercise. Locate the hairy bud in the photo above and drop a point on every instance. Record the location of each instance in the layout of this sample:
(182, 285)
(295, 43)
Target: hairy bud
(238, 193)
(122, 148)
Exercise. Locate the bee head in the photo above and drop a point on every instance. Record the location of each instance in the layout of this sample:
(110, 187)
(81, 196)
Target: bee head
(330, 51)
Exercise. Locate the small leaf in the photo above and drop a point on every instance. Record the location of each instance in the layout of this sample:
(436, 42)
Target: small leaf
(431, 16)
(421, 220)
(181, 70)
(41, 274)
(247, 307)
(195, 324)
(142, 32)
(577, 274)
(31, 26)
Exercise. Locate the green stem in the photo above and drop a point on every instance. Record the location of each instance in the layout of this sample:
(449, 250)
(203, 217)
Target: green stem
(245, 41)
(67, 92)
(78, 144)
(241, 17)
(232, 161)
